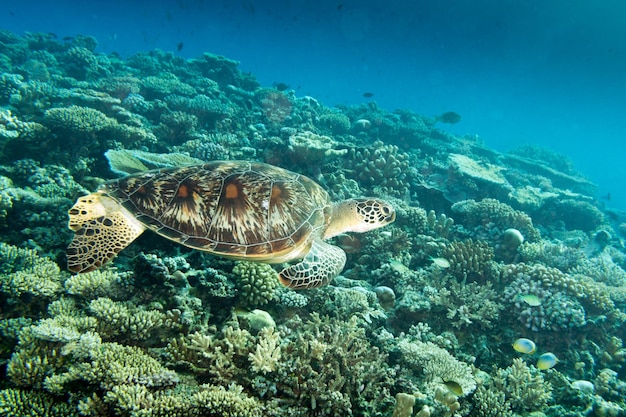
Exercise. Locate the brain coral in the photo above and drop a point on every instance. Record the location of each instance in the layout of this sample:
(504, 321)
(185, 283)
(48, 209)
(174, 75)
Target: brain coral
(489, 211)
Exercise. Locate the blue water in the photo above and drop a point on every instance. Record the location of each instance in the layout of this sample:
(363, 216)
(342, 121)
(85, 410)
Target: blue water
(549, 73)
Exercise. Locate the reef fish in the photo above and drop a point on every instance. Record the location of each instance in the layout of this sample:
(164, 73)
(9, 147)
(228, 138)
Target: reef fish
(441, 262)
(546, 361)
(524, 345)
(531, 299)
(454, 387)
(584, 386)
(449, 117)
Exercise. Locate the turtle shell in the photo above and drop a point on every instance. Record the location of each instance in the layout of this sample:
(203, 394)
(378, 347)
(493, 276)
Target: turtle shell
(237, 209)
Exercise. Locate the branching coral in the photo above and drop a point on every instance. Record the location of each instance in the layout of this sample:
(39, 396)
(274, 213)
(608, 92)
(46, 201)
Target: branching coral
(331, 368)
(523, 387)
(26, 403)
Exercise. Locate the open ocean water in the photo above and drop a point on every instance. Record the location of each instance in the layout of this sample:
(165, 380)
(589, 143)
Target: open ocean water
(547, 73)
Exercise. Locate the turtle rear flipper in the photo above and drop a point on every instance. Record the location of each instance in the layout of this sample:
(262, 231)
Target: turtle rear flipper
(323, 263)
(102, 229)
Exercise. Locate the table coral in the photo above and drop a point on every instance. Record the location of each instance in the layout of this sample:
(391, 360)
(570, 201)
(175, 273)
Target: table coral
(437, 364)
(313, 149)
(77, 121)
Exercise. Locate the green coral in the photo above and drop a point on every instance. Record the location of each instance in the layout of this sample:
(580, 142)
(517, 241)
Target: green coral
(118, 319)
(256, 283)
(44, 279)
(108, 365)
(98, 283)
(524, 387)
(27, 403)
(78, 120)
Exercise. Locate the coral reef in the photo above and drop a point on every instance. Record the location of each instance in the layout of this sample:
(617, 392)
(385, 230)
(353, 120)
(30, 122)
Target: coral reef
(256, 283)
(487, 248)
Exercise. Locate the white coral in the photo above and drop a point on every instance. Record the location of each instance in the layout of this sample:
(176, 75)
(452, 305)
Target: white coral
(267, 354)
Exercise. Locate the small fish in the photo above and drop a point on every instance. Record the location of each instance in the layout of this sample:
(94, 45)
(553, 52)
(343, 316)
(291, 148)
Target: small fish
(339, 6)
(348, 243)
(449, 117)
(546, 361)
(179, 47)
(583, 386)
(454, 387)
(368, 94)
(281, 86)
(440, 262)
(531, 299)
(398, 266)
(523, 345)
(67, 38)
(606, 197)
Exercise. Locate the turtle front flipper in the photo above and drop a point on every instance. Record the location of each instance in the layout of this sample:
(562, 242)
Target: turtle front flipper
(102, 229)
(323, 263)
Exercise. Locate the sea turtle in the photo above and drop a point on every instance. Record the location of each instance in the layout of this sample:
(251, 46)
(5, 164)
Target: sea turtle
(236, 209)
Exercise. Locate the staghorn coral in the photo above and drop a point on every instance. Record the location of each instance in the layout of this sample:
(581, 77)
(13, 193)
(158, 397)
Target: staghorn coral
(216, 354)
(110, 364)
(555, 254)
(28, 403)
(490, 403)
(471, 304)
(256, 283)
(573, 214)
(329, 367)
(601, 269)
(335, 123)
(524, 387)
(43, 279)
(266, 356)
(121, 320)
(205, 400)
(77, 121)
(163, 84)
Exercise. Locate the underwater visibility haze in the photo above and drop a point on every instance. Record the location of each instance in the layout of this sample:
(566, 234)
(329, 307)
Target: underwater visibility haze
(182, 183)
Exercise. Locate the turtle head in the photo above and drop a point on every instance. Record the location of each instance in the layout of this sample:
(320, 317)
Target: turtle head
(359, 215)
